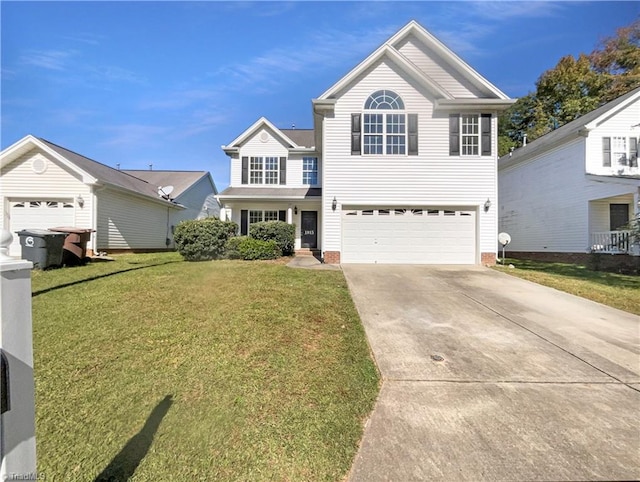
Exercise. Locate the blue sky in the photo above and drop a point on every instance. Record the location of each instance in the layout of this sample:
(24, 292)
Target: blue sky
(168, 83)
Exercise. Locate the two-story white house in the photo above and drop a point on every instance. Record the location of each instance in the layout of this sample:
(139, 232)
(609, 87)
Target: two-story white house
(571, 191)
(400, 167)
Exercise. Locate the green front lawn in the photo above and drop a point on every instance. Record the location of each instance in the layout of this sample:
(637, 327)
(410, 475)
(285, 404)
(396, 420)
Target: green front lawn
(224, 370)
(615, 290)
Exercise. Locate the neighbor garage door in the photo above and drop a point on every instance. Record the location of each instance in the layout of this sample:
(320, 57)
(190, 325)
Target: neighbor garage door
(409, 236)
(38, 214)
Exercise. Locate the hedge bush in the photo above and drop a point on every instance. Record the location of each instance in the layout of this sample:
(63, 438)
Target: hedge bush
(203, 239)
(282, 233)
(231, 250)
(251, 249)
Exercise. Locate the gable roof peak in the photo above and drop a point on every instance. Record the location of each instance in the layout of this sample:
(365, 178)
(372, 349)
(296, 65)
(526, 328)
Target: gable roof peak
(390, 49)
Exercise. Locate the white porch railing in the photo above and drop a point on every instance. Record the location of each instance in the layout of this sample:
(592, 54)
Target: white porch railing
(613, 242)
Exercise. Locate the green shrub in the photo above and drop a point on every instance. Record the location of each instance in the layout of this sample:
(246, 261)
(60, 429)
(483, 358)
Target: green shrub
(231, 250)
(203, 239)
(251, 249)
(282, 233)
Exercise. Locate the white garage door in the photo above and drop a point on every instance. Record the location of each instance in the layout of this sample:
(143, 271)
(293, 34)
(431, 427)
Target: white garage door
(38, 214)
(409, 236)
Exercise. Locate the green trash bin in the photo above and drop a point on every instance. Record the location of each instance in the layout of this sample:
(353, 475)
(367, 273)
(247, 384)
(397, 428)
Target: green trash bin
(42, 247)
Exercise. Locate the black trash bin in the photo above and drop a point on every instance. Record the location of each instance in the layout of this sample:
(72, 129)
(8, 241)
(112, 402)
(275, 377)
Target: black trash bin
(42, 247)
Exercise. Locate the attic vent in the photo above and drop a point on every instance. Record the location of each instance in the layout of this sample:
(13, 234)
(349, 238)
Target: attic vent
(39, 165)
(264, 137)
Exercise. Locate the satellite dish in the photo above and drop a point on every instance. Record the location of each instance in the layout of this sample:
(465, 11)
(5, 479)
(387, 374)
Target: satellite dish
(165, 191)
(504, 239)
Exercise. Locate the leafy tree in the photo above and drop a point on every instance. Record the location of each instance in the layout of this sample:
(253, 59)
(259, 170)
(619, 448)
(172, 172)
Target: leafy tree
(569, 90)
(618, 60)
(574, 87)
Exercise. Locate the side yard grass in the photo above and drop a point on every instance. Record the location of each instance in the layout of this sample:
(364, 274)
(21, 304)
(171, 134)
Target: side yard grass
(615, 290)
(161, 369)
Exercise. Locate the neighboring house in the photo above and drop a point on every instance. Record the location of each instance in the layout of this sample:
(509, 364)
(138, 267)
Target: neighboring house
(44, 185)
(572, 190)
(401, 166)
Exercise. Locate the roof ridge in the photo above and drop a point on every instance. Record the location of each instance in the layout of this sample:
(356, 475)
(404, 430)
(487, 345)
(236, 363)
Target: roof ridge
(88, 158)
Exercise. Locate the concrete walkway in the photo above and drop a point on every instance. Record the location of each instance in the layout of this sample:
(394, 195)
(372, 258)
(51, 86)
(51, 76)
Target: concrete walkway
(310, 262)
(489, 377)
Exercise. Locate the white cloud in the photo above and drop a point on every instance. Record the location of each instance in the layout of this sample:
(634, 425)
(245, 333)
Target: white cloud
(48, 59)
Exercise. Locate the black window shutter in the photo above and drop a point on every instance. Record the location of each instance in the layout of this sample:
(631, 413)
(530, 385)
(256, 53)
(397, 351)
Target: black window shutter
(606, 151)
(485, 137)
(454, 134)
(412, 120)
(356, 134)
(282, 216)
(633, 152)
(244, 222)
(245, 170)
(283, 170)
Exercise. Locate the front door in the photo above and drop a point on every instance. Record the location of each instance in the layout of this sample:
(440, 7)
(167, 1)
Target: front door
(309, 229)
(618, 215)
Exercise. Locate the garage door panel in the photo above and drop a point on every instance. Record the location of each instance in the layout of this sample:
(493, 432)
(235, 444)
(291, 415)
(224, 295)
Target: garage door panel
(38, 214)
(409, 235)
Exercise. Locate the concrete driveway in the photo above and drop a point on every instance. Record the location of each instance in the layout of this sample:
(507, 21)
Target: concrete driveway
(489, 377)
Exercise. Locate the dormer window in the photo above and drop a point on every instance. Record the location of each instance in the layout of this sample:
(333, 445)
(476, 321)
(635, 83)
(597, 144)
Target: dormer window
(393, 132)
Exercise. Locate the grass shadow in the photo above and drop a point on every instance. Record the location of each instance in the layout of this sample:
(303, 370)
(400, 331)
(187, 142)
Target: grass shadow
(91, 278)
(125, 463)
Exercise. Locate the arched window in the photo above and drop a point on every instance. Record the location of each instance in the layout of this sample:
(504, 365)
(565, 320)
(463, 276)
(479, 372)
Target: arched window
(384, 133)
(384, 99)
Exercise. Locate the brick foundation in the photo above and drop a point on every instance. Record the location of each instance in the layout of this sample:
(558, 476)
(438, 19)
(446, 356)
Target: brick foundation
(488, 259)
(332, 257)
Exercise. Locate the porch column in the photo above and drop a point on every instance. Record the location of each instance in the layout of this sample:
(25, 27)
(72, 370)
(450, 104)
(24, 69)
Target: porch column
(636, 202)
(223, 214)
(289, 215)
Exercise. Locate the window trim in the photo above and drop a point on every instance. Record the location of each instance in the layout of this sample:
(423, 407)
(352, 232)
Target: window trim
(315, 171)
(484, 134)
(388, 107)
(264, 171)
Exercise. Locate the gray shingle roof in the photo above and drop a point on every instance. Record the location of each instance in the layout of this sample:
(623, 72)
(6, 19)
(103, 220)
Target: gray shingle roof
(126, 179)
(180, 180)
(302, 137)
(271, 192)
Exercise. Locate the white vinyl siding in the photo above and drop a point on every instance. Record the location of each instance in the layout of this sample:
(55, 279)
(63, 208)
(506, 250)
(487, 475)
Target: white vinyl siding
(437, 69)
(57, 182)
(545, 206)
(617, 125)
(199, 202)
(131, 222)
(431, 178)
(265, 143)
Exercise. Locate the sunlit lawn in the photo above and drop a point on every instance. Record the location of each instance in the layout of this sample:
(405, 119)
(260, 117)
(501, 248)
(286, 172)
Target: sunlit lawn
(612, 289)
(167, 370)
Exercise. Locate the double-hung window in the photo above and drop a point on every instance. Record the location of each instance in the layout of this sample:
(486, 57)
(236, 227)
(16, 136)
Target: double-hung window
(264, 170)
(310, 171)
(384, 133)
(619, 151)
(470, 134)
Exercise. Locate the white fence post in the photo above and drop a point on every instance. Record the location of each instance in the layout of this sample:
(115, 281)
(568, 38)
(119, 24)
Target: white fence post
(17, 423)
